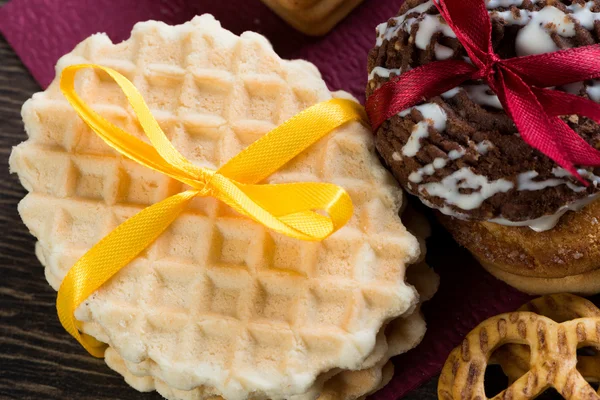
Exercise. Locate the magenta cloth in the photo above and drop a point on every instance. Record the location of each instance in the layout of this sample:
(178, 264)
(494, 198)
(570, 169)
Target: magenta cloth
(41, 31)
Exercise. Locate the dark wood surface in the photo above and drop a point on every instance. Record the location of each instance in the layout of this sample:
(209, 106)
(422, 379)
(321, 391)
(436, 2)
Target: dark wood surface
(38, 359)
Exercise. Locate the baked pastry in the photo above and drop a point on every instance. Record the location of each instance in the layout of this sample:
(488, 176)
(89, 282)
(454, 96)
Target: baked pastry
(313, 17)
(527, 220)
(400, 335)
(218, 305)
(515, 358)
(537, 347)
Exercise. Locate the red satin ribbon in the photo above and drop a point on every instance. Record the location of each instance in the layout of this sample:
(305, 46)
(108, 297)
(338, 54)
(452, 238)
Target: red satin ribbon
(519, 82)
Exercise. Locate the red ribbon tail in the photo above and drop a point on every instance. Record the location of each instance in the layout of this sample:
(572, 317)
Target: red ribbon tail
(557, 68)
(536, 127)
(469, 20)
(577, 147)
(413, 87)
(560, 103)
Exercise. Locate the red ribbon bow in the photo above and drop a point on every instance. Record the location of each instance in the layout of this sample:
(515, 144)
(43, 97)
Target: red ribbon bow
(519, 82)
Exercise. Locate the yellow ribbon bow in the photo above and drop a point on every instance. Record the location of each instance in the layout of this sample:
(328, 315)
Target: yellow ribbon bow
(285, 208)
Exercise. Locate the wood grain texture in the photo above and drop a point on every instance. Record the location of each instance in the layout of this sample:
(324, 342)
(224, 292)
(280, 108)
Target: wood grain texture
(38, 359)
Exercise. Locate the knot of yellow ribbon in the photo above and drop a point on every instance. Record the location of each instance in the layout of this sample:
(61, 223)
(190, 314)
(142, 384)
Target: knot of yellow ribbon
(290, 209)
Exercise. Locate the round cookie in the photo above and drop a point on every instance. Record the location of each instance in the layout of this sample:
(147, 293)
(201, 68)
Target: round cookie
(460, 152)
(516, 210)
(586, 284)
(218, 303)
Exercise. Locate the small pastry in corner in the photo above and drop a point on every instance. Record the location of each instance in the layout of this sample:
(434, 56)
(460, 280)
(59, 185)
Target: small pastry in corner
(313, 17)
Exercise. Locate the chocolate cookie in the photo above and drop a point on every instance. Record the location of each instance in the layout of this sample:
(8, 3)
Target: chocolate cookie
(460, 152)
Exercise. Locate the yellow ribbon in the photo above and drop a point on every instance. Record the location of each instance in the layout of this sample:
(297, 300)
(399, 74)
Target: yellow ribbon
(285, 208)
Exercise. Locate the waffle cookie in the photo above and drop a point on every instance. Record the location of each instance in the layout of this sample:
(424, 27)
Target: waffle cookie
(217, 302)
(313, 17)
(401, 335)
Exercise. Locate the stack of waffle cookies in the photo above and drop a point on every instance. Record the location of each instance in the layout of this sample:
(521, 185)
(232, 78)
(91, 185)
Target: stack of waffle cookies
(218, 305)
(313, 17)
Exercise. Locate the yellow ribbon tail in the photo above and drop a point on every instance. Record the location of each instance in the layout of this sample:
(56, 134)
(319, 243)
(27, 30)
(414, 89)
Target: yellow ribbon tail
(291, 138)
(161, 156)
(289, 208)
(108, 256)
(306, 198)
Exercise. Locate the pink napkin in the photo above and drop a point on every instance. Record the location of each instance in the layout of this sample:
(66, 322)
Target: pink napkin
(41, 31)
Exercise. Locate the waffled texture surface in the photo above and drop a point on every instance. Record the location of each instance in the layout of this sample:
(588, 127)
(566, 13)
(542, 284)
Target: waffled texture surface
(217, 300)
(348, 385)
(400, 335)
(476, 134)
(313, 17)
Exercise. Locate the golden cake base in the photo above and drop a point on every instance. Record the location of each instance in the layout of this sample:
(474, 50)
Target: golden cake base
(312, 17)
(563, 259)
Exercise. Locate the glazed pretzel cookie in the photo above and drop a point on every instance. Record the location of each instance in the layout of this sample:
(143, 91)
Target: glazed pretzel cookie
(514, 358)
(553, 353)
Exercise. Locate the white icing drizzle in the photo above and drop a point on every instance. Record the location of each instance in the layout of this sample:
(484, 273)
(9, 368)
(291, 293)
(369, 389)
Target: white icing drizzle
(509, 18)
(573, 88)
(584, 15)
(451, 93)
(594, 91)
(450, 187)
(433, 115)
(428, 25)
(562, 173)
(429, 169)
(480, 95)
(548, 222)
(595, 179)
(383, 33)
(535, 37)
(447, 210)
(396, 156)
(456, 154)
(383, 72)
(442, 52)
(580, 13)
(503, 3)
(484, 146)
(438, 163)
(525, 181)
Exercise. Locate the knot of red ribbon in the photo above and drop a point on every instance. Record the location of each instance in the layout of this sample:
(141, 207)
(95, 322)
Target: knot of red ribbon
(521, 85)
(488, 70)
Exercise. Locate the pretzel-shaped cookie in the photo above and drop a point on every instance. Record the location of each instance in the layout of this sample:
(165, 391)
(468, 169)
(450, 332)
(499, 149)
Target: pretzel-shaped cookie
(553, 357)
(514, 358)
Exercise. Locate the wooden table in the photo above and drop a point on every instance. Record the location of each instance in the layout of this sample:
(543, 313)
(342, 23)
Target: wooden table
(38, 359)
